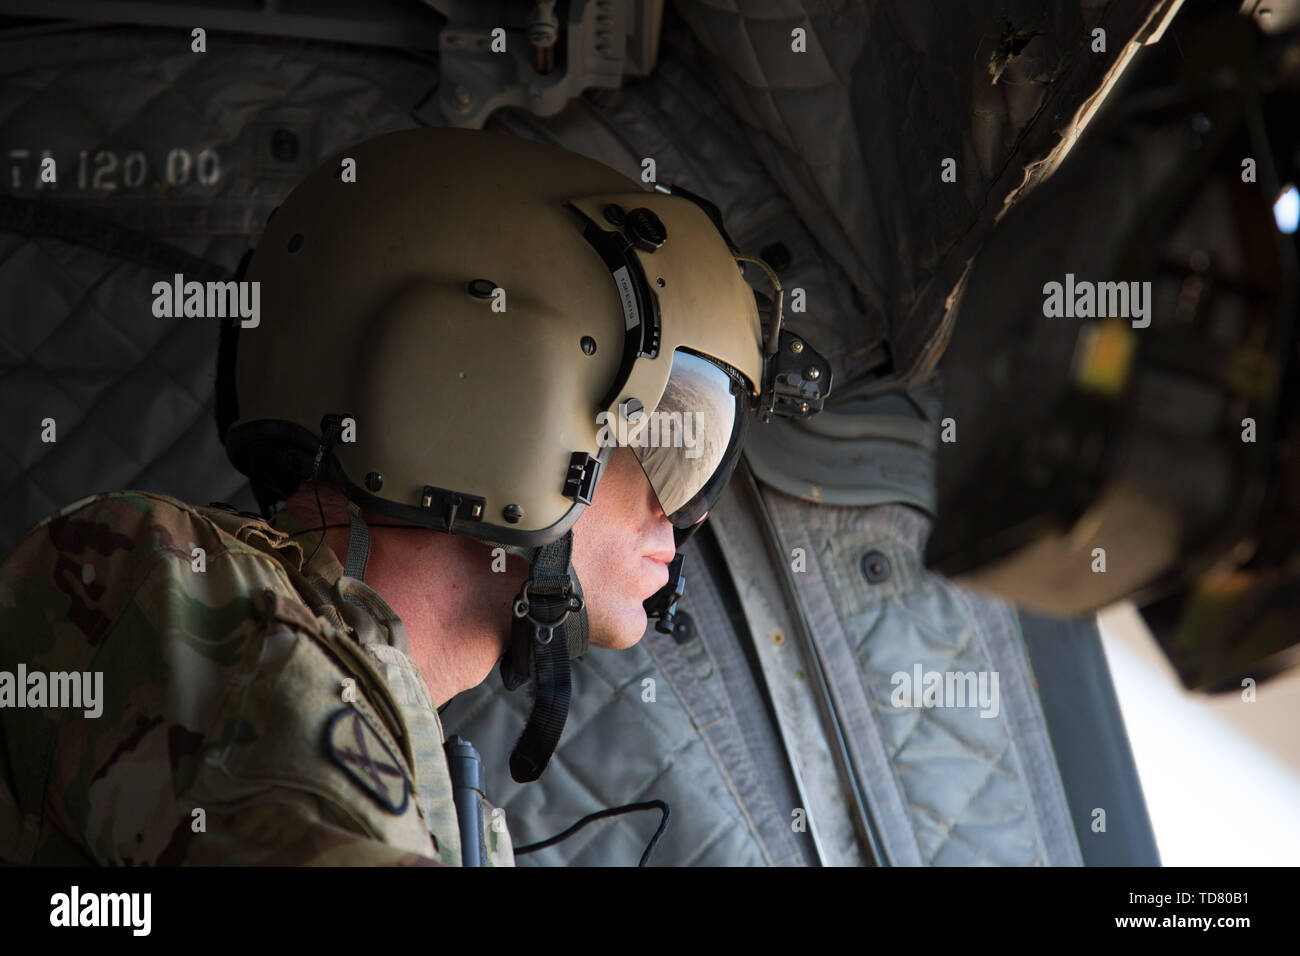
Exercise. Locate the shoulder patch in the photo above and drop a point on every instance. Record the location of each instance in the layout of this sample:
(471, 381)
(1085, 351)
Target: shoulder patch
(357, 747)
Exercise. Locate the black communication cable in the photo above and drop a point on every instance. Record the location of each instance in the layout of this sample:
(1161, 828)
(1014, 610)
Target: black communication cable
(315, 487)
(326, 527)
(599, 814)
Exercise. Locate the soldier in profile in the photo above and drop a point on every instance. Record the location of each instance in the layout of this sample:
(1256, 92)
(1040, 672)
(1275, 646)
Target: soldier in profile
(416, 410)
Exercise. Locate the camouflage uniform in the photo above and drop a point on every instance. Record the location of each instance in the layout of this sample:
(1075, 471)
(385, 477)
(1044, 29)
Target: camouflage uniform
(225, 690)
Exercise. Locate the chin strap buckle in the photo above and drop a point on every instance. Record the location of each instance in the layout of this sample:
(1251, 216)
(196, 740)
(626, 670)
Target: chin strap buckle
(543, 631)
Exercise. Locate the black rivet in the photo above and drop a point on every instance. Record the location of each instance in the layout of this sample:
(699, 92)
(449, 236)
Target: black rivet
(588, 345)
(875, 567)
(295, 242)
(614, 214)
(284, 145)
(374, 481)
(481, 288)
(776, 255)
(660, 282)
(512, 513)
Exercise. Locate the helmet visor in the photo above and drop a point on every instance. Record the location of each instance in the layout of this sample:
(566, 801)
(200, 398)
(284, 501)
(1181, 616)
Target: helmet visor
(689, 445)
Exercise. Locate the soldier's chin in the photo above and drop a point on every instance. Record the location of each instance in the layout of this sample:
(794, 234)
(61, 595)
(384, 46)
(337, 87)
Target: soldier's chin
(626, 630)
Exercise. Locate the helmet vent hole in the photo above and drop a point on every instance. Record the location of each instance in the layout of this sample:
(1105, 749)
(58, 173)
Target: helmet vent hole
(588, 345)
(295, 242)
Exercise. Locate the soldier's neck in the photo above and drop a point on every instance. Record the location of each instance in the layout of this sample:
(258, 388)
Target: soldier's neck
(456, 609)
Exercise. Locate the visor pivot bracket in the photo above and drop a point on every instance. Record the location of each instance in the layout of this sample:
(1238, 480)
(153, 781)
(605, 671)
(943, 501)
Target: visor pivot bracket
(632, 409)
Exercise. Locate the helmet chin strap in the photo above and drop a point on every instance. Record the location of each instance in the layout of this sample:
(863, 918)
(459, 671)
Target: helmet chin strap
(549, 628)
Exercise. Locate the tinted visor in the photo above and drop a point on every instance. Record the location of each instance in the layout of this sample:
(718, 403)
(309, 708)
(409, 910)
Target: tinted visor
(690, 443)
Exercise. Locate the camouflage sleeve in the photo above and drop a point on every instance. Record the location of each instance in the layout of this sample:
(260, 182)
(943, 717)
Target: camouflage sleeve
(288, 830)
(207, 741)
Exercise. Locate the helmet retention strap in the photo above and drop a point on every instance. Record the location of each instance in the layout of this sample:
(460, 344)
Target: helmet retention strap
(358, 547)
(549, 627)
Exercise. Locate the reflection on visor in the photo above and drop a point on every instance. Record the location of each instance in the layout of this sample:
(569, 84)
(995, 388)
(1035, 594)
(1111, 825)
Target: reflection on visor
(688, 446)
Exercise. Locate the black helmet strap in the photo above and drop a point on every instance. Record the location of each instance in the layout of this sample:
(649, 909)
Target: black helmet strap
(549, 627)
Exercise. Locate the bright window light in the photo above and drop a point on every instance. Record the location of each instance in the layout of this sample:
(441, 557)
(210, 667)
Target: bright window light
(1287, 209)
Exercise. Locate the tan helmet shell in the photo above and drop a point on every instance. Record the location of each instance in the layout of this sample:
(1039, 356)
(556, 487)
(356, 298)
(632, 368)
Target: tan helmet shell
(366, 311)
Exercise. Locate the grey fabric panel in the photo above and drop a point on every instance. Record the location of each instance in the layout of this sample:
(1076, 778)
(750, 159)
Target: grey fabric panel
(617, 748)
(761, 736)
(691, 672)
(869, 451)
(131, 89)
(870, 750)
(1091, 744)
(132, 394)
(999, 629)
(964, 776)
